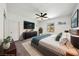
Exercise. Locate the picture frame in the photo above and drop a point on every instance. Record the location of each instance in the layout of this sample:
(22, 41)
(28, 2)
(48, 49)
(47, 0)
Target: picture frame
(51, 27)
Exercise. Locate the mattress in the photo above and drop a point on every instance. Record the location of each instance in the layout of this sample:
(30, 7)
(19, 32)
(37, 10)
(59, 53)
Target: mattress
(52, 45)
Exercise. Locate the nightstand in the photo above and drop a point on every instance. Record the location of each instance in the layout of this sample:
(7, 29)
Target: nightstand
(8, 52)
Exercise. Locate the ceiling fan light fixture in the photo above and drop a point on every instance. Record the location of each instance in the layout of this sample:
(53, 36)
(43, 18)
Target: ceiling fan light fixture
(42, 16)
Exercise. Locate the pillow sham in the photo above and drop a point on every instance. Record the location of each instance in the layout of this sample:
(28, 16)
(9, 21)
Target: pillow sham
(64, 38)
(58, 37)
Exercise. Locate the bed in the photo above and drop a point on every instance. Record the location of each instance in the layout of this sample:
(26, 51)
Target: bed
(48, 46)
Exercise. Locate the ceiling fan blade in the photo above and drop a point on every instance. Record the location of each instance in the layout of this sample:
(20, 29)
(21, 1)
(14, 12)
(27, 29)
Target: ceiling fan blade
(37, 14)
(37, 17)
(44, 14)
(45, 17)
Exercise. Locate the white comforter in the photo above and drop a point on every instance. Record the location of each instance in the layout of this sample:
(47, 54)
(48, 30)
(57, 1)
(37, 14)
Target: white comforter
(52, 45)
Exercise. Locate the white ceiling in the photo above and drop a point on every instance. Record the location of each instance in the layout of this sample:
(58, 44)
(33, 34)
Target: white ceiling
(30, 9)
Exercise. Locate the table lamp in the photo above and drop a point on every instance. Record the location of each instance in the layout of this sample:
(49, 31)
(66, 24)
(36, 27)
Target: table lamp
(66, 31)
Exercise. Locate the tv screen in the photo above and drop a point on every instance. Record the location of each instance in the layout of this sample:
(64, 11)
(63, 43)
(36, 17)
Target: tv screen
(28, 25)
(74, 20)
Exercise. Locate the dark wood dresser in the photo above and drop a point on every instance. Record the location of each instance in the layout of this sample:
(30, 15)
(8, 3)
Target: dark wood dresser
(75, 38)
(8, 52)
(27, 35)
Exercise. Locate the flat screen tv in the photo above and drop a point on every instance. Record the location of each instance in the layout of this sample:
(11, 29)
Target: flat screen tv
(29, 25)
(74, 20)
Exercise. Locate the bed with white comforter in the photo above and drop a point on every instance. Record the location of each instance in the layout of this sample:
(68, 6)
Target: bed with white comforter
(53, 45)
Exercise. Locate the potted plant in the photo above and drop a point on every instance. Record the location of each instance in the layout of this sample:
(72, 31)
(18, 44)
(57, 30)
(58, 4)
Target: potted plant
(6, 42)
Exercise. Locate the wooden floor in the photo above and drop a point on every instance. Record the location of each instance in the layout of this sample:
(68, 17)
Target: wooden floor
(20, 49)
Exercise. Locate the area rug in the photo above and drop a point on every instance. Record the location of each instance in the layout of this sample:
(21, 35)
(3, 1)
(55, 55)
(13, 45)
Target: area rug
(31, 50)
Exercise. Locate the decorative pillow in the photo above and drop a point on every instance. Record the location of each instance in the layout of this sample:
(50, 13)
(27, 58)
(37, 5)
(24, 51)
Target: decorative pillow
(58, 37)
(65, 37)
(64, 41)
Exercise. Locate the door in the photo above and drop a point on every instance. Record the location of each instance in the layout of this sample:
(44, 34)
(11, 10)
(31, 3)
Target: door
(14, 29)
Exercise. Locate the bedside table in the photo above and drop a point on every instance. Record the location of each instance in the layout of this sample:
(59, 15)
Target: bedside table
(8, 52)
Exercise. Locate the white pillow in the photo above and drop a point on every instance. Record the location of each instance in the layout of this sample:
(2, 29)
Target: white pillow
(66, 35)
(69, 36)
(63, 38)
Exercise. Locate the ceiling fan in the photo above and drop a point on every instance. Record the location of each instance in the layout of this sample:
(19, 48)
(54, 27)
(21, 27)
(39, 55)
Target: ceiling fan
(41, 15)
